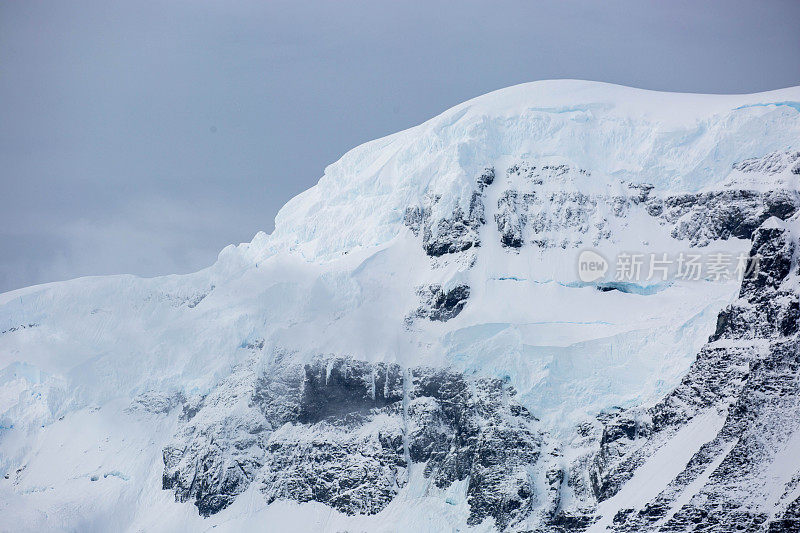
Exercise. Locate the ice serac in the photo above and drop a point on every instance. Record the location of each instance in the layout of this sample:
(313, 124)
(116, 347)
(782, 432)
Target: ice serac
(412, 344)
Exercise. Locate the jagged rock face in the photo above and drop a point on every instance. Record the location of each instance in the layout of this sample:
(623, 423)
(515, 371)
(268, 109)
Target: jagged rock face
(343, 432)
(733, 212)
(533, 212)
(510, 219)
(439, 304)
(455, 233)
(706, 217)
(748, 375)
(345, 447)
(545, 206)
(771, 163)
(355, 463)
(471, 432)
(216, 453)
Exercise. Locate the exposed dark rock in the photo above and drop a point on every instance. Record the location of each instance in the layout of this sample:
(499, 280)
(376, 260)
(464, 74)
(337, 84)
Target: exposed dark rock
(705, 217)
(570, 218)
(342, 386)
(439, 304)
(342, 432)
(788, 521)
(354, 462)
(510, 220)
(456, 232)
(547, 218)
(17, 328)
(211, 459)
(500, 484)
(413, 218)
(345, 433)
(748, 371)
(486, 179)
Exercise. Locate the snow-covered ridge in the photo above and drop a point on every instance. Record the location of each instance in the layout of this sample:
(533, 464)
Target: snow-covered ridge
(675, 142)
(445, 250)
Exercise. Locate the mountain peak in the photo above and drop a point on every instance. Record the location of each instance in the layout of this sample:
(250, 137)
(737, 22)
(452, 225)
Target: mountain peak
(673, 141)
(413, 344)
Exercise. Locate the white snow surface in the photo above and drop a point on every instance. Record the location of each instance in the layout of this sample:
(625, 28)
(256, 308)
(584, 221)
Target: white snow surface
(338, 276)
(674, 141)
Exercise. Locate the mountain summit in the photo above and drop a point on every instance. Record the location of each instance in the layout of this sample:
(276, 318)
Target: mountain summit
(413, 348)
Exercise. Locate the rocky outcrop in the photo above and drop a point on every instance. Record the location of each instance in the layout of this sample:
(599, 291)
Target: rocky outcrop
(747, 376)
(510, 219)
(547, 206)
(706, 217)
(17, 328)
(439, 304)
(217, 451)
(344, 433)
(455, 232)
(535, 212)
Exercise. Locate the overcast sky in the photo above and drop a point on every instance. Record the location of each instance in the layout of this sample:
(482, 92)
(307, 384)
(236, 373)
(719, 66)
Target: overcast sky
(142, 137)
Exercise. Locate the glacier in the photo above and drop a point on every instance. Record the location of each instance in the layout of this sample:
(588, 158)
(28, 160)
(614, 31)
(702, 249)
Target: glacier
(451, 245)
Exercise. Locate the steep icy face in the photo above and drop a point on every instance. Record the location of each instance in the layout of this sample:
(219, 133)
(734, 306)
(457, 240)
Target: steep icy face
(718, 450)
(740, 398)
(447, 251)
(356, 428)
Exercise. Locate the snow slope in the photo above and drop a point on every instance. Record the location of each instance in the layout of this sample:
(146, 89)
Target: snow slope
(345, 273)
(679, 142)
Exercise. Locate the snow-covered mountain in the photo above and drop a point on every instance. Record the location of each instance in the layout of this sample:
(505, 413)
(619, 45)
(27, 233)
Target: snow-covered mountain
(412, 348)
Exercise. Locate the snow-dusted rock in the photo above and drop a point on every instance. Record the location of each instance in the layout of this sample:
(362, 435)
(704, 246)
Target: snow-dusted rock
(344, 432)
(741, 397)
